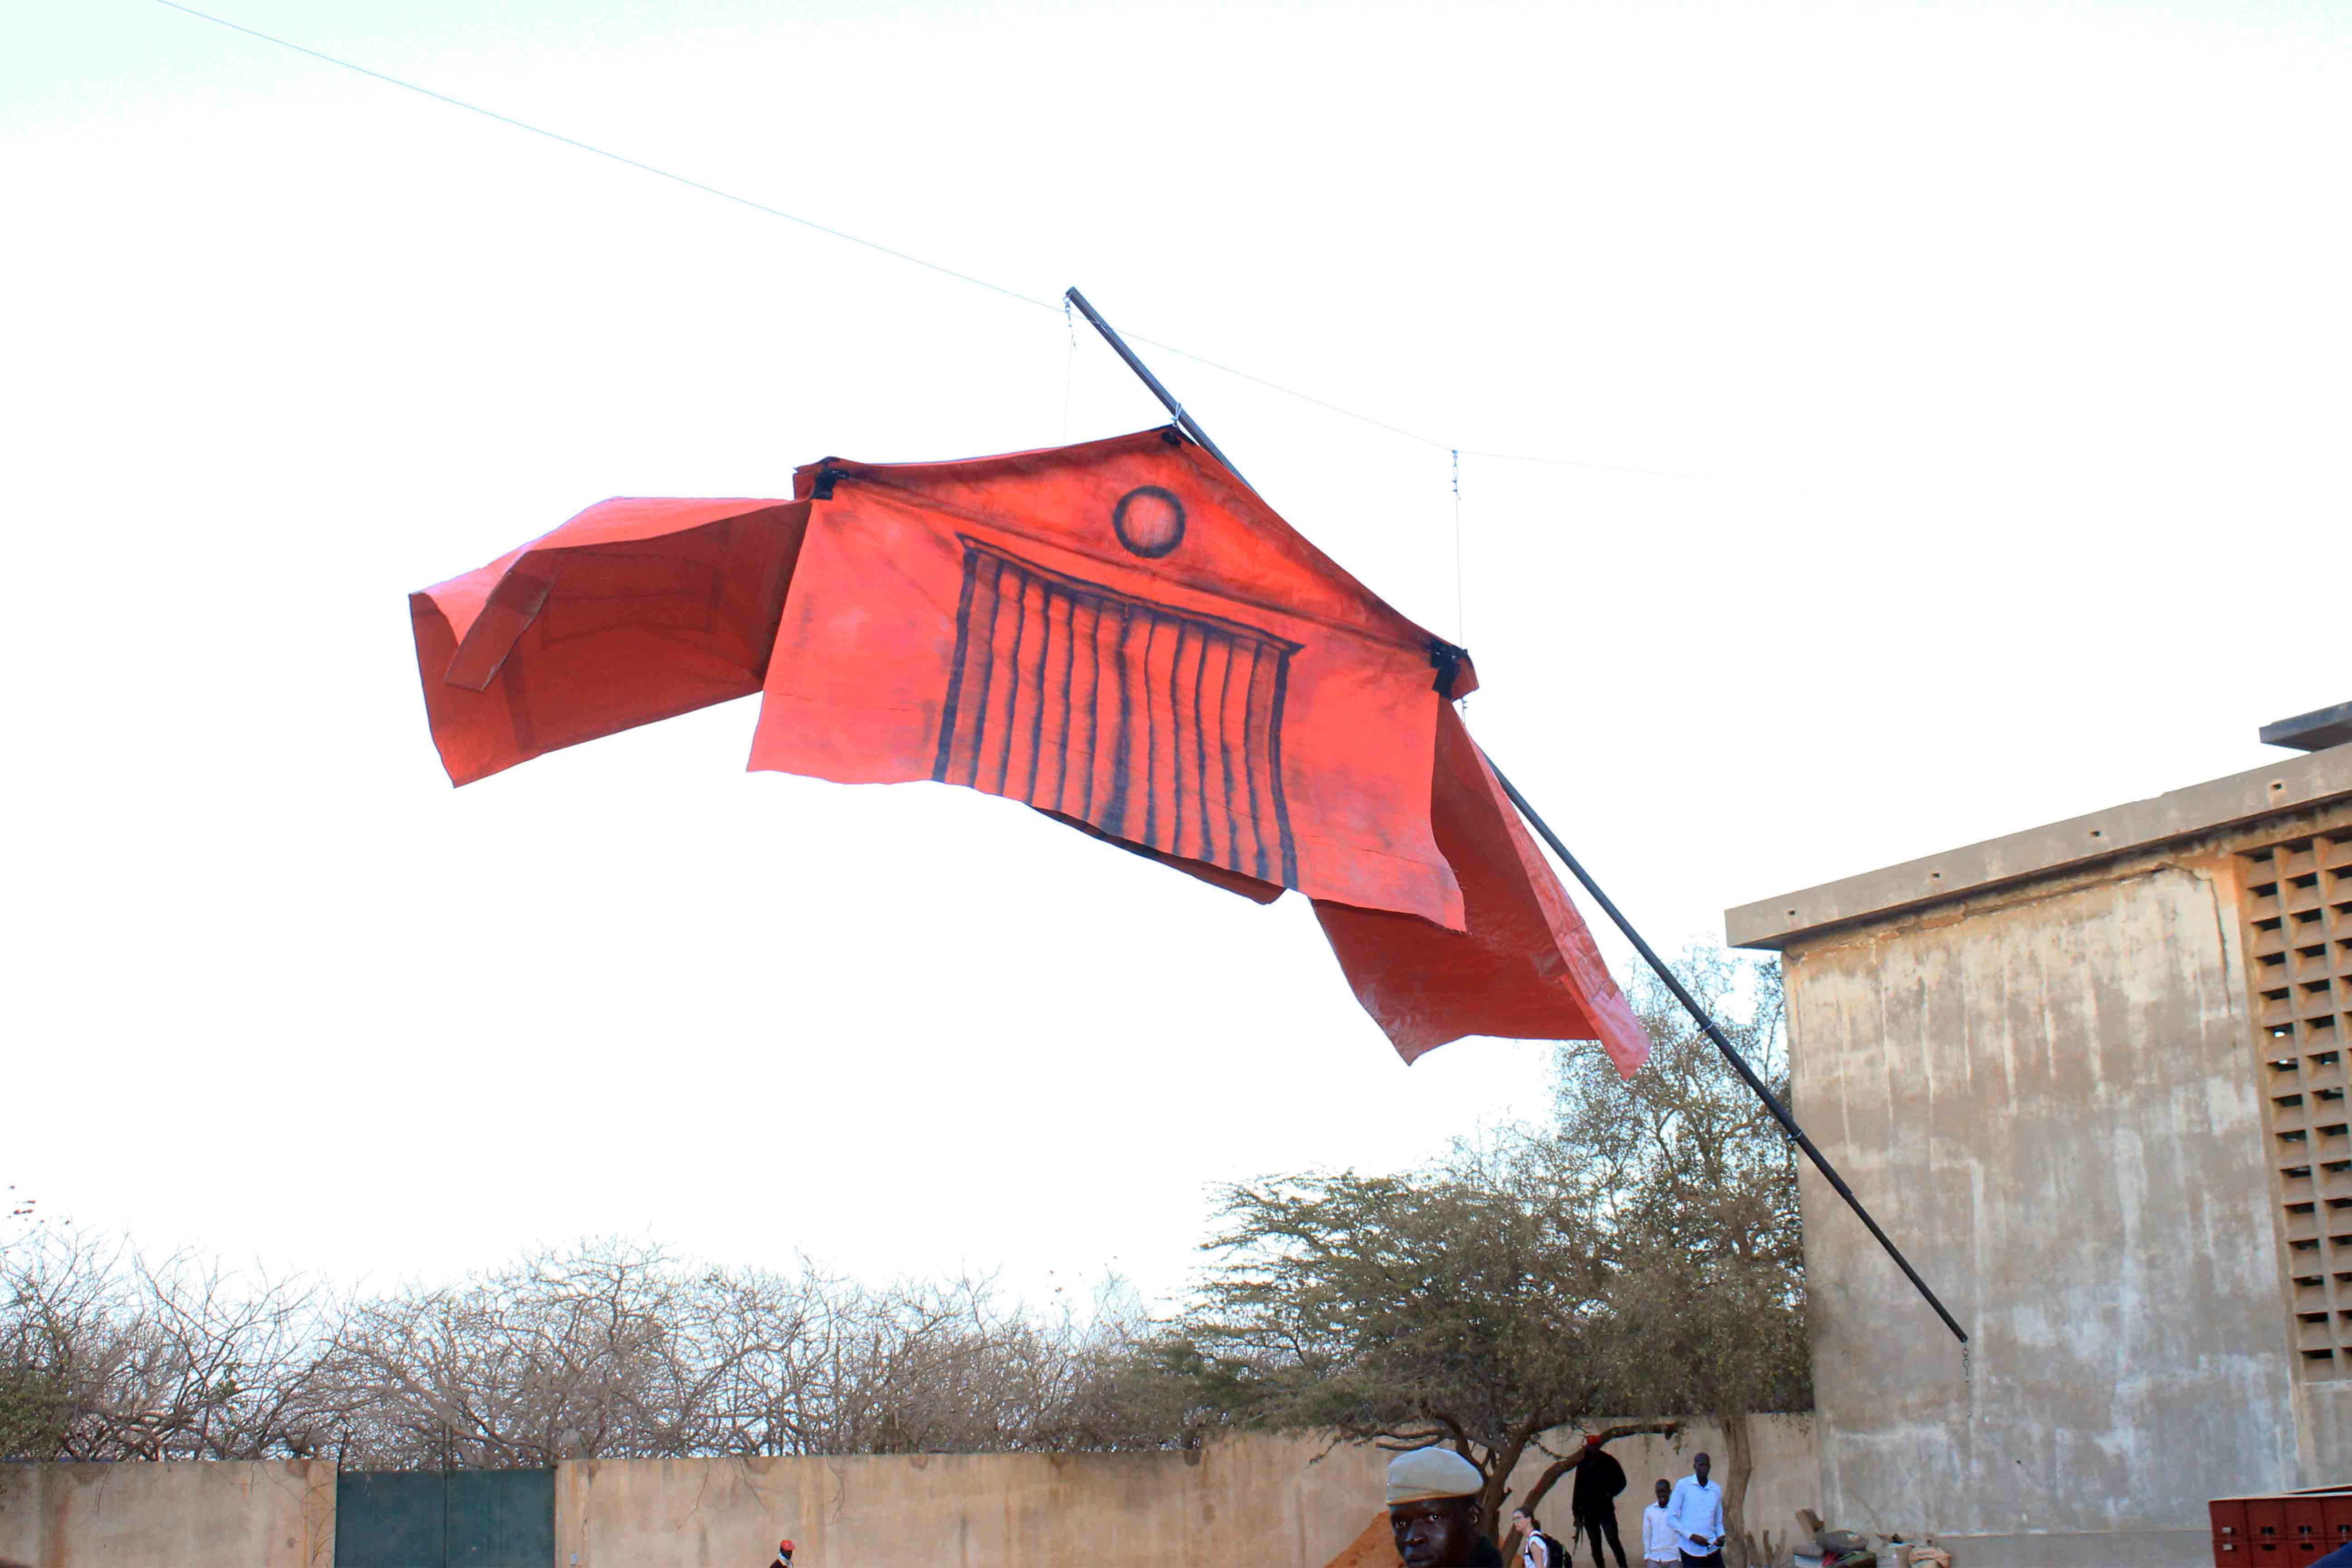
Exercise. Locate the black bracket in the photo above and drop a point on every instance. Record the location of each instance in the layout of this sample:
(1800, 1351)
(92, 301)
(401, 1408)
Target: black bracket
(1171, 434)
(1446, 659)
(822, 488)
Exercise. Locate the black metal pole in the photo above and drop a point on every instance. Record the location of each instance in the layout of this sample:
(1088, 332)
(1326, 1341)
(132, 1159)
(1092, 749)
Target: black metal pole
(1649, 954)
(1723, 1043)
(1183, 420)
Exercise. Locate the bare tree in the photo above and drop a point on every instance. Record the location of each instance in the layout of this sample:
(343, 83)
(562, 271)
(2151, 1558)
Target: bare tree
(105, 1354)
(608, 1350)
(616, 1350)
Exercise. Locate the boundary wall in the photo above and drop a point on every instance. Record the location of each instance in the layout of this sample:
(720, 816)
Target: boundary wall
(1255, 1501)
(267, 1513)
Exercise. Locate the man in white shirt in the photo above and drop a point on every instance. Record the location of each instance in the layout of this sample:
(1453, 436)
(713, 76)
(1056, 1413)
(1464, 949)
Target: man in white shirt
(1694, 1510)
(1658, 1530)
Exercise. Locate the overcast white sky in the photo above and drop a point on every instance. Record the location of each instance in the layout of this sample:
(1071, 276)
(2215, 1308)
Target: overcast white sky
(2022, 330)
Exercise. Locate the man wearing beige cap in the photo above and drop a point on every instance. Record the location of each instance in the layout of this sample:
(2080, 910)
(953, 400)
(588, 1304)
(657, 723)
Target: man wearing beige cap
(1434, 1510)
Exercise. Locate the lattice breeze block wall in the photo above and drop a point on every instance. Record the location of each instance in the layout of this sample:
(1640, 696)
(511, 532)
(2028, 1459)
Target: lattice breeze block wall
(2298, 915)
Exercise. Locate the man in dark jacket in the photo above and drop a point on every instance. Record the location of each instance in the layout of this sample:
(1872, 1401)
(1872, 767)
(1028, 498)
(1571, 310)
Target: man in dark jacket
(1593, 1500)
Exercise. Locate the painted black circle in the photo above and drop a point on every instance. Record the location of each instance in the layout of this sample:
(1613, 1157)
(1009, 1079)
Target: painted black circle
(1149, 521)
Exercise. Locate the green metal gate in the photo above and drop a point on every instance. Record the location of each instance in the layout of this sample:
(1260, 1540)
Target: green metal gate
(444, 1519)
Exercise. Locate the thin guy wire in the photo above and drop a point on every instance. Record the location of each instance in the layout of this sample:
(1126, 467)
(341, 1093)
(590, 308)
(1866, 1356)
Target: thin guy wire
(615, 157)
(1612, 467)
(895, 254)
(1461, 618)
(1432, 441)
(1069, 366)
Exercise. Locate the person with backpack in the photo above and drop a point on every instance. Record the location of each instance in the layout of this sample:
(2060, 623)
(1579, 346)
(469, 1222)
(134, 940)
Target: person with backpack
(1537, 1550)
(1592, 1502)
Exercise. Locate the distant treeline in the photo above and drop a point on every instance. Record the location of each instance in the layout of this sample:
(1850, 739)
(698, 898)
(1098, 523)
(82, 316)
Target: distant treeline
(611, 1349)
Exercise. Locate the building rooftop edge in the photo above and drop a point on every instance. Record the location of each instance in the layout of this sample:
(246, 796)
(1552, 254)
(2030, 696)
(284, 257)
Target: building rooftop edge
(2285, 785)
(2313, 732)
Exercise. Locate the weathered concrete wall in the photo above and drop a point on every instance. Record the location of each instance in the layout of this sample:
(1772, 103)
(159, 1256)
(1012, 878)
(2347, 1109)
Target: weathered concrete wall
(1267, 1502)
(274, 1514)
(2046, 1093)
(1253, 1502)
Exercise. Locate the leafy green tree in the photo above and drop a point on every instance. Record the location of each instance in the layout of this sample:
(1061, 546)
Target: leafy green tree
(1468, 1306)
(35, 1408)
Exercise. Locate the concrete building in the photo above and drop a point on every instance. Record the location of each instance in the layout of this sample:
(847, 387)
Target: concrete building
(2091, 1079)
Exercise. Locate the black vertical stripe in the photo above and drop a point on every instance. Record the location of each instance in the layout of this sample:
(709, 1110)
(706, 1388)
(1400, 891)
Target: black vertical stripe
(1249, 762)
(1094, 706)
(1012, 673)
(1274, 768)
(955, 670)
(1062, 769)
(1226, 755)
(1176, 745)
(1045, 597)
(1200, 746)
(987, 668)
(1150, 735)
(1114, 809)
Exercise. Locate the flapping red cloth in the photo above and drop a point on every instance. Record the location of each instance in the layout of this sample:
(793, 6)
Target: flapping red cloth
(1526, 967)
(1120, 635)
(634, 610)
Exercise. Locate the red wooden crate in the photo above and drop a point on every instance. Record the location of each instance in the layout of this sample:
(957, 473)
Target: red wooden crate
(2337, 1512)
(2228, 1532)
(2280, 1530)
(2307, 1528)
(2266, 1533)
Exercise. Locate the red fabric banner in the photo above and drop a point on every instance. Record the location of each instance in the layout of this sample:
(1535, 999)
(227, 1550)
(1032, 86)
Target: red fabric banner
(633, 611)
(1119, 634)
(1525, 969)
(1124, 635)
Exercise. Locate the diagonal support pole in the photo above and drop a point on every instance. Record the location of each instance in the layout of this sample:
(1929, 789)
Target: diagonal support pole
(1713, 1031)
(1780, 1113)
(1184, 421)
